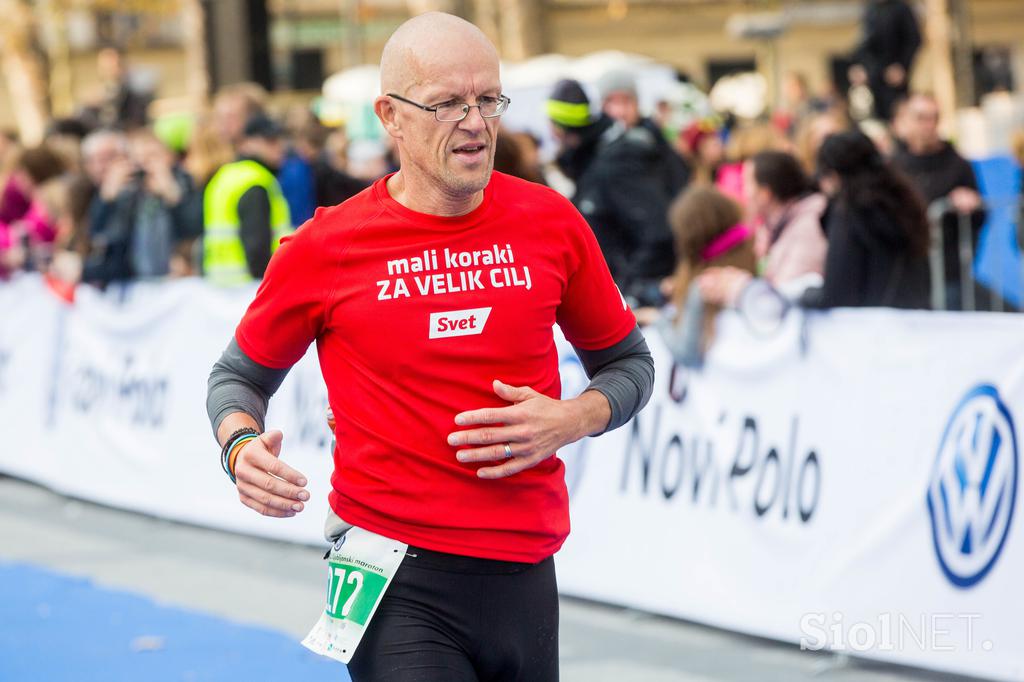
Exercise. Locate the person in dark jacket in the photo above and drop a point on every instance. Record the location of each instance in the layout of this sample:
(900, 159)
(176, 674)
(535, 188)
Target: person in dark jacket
(298, 183)
(885, 55)
(620, 190)
(332, 185)
(877, 229)
(139, 215)
(937, 171)
(619, 102)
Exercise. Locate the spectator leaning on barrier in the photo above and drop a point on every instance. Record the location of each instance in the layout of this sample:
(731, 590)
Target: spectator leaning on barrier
(710, 236)
(245, 213)
(877, 230)
(620, 190)
(790, 241)
(937, 171)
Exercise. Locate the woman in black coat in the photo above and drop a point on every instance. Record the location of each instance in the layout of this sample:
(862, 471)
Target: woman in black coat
(876, 226)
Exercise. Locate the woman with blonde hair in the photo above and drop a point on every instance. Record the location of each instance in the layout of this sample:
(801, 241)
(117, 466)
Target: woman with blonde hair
(208, 150)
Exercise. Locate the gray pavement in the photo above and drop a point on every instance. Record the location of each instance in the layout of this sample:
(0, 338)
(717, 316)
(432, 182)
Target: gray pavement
(279, 585)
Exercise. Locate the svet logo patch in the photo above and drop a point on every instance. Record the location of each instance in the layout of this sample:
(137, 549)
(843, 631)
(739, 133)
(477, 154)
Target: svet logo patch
(458, 323)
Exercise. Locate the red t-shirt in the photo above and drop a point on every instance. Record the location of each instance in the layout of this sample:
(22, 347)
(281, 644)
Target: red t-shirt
(414, 316)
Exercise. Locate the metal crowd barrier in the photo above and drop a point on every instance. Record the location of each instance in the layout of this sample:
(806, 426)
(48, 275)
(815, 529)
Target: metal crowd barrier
(937, 212)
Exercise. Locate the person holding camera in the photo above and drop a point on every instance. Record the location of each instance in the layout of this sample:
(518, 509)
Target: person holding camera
(140, 215)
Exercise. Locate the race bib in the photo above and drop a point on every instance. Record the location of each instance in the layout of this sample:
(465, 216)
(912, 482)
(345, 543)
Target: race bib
(360, 567)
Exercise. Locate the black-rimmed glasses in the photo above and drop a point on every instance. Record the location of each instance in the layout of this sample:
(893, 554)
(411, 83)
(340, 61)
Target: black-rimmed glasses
(451, 111)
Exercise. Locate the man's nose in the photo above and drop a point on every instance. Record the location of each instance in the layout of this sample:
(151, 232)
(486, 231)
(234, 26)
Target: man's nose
(474, 121)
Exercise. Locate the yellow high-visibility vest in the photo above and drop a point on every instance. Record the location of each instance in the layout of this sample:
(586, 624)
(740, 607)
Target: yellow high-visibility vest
(224, 261)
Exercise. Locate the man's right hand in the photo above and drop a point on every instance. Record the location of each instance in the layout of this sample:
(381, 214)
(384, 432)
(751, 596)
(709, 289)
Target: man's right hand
(265, 483)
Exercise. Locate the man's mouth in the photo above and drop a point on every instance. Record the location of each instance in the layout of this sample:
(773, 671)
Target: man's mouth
(469, 149)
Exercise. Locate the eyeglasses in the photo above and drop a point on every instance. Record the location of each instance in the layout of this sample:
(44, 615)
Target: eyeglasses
(453, 110)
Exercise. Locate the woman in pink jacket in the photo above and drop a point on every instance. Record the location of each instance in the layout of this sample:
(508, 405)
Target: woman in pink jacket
(790, 242)
(27, 237)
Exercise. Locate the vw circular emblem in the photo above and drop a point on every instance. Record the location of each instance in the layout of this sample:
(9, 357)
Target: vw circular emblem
(973, 487)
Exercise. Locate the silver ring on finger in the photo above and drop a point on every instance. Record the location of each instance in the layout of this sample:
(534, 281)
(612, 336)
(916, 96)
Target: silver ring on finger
(508, 451)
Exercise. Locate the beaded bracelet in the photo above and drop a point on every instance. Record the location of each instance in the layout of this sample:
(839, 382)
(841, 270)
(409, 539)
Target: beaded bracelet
(246, 432)
(236, 448)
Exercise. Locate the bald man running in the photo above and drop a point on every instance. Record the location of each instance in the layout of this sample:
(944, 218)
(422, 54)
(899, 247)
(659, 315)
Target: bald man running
(432, 296)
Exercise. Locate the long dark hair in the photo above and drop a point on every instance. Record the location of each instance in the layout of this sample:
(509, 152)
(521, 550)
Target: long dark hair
(867, 181)
(781, 173)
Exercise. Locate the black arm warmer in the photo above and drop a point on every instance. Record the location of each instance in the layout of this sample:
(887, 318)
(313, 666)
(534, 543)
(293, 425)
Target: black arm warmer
(238, 384)
(623, 373)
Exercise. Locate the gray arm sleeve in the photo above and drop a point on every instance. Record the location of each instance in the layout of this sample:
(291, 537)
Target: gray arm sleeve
(623, 373)
(239, 384)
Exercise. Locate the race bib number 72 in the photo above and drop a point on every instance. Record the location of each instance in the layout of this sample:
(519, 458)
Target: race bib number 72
(359, 569)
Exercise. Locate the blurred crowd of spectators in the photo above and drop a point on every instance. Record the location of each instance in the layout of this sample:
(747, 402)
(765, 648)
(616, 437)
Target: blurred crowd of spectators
(824, 210)
(827, 211)
(827, 200)
(110, 196)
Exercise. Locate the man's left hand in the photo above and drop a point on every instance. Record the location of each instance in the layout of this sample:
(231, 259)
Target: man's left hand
(534, 426)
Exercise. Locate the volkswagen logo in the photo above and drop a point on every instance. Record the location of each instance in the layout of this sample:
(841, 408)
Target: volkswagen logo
(973, 487)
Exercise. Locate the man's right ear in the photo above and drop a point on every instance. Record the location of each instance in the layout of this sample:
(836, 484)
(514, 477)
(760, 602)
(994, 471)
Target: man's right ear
(388, 115)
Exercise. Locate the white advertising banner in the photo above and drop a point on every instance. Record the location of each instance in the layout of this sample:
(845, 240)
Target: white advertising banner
(106, 400)
(849, 482)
